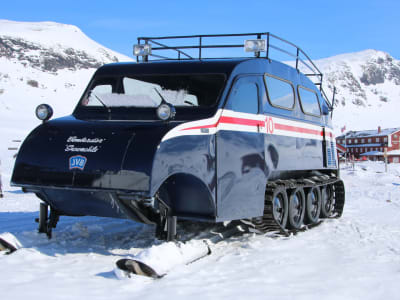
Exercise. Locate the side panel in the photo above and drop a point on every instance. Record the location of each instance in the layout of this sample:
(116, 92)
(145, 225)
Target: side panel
(241, 174)
(186, 163)
(241, 169)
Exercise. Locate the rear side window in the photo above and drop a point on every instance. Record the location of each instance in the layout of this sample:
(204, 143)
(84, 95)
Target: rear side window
(309, 101)
(280, 92)
(244, 96)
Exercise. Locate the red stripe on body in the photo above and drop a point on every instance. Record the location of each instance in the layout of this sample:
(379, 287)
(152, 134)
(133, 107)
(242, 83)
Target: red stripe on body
(230, 120)
(240, 121)
(298, 129)
(251, 122)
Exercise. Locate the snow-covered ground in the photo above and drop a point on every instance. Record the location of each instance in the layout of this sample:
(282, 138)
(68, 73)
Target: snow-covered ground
(354, 257)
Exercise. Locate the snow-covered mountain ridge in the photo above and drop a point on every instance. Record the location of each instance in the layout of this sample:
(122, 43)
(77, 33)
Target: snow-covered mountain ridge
(45, 62)
(49, 46)
(368, 88)
(52, 62)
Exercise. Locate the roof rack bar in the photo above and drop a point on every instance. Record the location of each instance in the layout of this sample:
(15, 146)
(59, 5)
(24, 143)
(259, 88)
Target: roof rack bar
(301, 58)
(160, 56)
(313, 74)
(200, 44)
(196, 47)
(203, 36)
(166, 47)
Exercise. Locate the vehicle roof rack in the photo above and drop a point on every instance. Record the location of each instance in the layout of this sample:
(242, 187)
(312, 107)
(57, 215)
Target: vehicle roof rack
(192, 47)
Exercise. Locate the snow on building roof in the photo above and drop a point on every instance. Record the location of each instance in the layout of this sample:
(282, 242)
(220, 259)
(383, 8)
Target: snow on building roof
(393, 152)
(367, 133)
(360, 145)
(372, 153)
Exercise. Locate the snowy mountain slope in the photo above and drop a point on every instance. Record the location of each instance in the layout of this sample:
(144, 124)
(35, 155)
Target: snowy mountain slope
(354, 257)
(50, 46)
(42, 62)
(368, 89)
(46, 62)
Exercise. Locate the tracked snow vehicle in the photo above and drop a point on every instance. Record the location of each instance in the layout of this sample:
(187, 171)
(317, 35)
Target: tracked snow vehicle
(177, 136)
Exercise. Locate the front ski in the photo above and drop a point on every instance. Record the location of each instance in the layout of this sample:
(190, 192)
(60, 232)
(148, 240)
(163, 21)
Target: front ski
(147, 263)
(8, 243)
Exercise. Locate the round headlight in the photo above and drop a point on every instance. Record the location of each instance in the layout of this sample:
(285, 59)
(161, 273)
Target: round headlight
(165, 112)
(44, 112)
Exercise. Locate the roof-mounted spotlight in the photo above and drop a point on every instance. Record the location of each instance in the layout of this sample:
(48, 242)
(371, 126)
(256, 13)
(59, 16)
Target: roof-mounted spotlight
(142, 50)
(255, 46)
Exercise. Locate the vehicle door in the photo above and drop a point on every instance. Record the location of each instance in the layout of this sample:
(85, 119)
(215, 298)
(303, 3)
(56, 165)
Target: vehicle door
(241, 175)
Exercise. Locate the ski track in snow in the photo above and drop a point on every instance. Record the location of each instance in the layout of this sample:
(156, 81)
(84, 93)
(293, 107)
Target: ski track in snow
(354, 257)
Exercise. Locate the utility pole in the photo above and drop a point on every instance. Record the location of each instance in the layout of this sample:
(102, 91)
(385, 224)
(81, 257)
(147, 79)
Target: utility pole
(385, 155)
(345, 147)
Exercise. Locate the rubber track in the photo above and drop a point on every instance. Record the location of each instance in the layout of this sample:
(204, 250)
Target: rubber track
(268, 224)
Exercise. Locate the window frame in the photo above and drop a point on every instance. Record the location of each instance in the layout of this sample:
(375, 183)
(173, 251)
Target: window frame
(301, 104)
(267, 92)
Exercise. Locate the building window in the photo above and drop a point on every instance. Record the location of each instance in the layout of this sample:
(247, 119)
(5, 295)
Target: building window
(369, 140)
(363, 141)
(355, 141)
(349, 142)
(377, 140)
(385, 139)
(356, 149)
(395, 135)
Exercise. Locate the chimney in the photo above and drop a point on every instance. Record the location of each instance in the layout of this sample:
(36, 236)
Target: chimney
(379, 129)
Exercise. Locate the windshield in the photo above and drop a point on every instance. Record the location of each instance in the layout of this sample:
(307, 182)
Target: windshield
(147, 91)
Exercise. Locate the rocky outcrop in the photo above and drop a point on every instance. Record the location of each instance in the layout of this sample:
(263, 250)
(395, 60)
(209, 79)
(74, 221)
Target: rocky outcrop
(47, 59)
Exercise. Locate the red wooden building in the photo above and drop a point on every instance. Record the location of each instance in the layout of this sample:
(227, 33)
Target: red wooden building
(372, 143)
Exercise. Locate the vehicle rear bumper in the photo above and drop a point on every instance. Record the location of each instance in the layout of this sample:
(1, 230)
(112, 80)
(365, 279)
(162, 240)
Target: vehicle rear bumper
(135, 205)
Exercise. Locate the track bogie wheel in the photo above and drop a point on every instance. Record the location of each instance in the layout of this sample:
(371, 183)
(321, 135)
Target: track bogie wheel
(296, 208)
(313, 205)
(278, 201)
(328, 200)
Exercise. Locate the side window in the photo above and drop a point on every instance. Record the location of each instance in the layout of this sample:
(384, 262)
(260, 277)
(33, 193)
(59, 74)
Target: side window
(309, 102)
(244, 96)
(280, 92)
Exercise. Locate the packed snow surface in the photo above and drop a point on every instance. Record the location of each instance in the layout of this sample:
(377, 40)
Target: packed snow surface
(354, 257)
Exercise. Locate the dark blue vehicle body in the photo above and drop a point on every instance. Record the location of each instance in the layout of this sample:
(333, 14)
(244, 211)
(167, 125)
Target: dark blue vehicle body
(210, 164)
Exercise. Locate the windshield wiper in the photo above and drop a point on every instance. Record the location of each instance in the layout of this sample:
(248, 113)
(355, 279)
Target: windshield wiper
(163, 101)
(102, 103)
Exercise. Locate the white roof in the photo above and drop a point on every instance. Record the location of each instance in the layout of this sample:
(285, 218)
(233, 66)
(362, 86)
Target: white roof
(372, 153)
(369, 133)
(394, 152)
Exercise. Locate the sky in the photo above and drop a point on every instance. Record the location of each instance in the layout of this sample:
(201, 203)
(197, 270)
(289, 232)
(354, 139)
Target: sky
(320, 28)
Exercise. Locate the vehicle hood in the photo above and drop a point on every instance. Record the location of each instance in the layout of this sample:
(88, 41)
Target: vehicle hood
(69, 152)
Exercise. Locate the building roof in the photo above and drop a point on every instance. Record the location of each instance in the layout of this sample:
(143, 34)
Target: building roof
(372, 153)
(360, 145)
(393, 152)
(340, 148)
(369, 133)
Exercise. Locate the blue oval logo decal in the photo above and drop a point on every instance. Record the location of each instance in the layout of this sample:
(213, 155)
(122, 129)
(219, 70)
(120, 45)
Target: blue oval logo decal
(77, 162)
